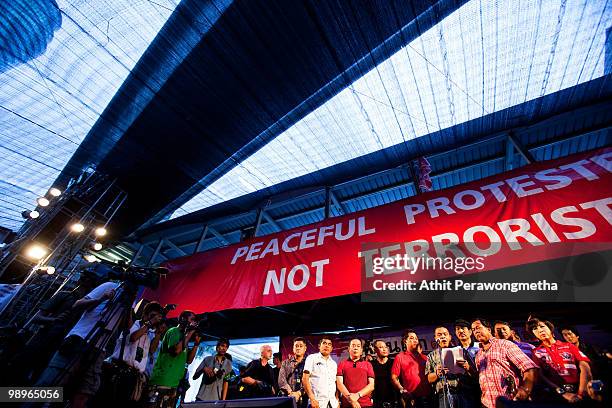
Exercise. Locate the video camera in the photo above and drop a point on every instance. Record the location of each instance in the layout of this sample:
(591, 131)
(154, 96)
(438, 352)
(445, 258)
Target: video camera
(138, 276)
(200, 326)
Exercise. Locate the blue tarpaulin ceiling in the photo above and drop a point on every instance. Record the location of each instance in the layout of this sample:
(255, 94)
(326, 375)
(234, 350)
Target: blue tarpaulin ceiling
(484, 57)
(243, 98)
(61, 63)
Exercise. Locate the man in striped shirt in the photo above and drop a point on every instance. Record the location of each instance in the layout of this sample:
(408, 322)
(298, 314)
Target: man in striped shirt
(498, 362)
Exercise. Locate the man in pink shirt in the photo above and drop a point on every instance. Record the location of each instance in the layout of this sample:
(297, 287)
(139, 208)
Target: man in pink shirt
(498, 361)
(408, 373)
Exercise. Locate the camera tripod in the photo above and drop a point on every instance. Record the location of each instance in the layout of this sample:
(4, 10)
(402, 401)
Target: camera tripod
(117, 315)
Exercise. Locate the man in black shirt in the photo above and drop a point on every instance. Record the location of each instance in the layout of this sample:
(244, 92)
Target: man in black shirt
(277, 359)
(385, 395)
(258, 378)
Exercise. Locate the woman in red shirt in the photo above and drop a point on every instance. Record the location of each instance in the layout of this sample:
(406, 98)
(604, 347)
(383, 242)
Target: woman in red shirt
(563, 367)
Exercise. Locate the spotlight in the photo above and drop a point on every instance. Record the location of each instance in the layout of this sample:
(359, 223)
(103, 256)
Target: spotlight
(97, 246)
(30, 214)
(36, 252)
(55, 192)
(91, 258)
(42, 201)
(100, 231)
(46, 270)
(77, 227)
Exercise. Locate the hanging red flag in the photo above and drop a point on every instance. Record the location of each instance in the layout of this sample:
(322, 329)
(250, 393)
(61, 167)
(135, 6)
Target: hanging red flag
(424, 169)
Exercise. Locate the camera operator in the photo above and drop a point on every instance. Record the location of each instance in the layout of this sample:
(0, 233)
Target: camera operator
(125, 371)
(155, 336)
(174, 354)
(55, 317)
(78, 362)
(215, 368)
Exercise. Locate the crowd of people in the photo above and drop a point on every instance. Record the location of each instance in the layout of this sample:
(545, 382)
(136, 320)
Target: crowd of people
(148, 366)
(493, 363)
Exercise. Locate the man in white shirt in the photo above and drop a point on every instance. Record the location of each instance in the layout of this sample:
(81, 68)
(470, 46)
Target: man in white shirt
(136, 348)
(319, 377)
(79, 346)
(124, 385)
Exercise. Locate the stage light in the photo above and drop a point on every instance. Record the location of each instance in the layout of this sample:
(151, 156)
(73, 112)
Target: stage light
(97, 246)
(36, 252)
(77, 227)
(55, 192)
(91, 258)
(42, 201)
(100, 231)
(46, 270)
(30, 214)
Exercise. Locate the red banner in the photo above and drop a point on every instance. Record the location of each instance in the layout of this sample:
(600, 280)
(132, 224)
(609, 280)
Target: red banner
(534, 213)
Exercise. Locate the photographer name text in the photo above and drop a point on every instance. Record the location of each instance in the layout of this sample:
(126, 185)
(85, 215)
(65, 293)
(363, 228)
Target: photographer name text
(460, 285)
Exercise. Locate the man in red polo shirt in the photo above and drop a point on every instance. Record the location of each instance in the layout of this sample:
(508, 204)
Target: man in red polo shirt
(355, 378)
(408, 373)
(564, 367)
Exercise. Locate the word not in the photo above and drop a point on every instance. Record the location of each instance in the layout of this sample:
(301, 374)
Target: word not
(296, 280)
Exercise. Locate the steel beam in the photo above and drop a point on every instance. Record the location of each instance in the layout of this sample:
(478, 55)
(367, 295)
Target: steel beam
(173, 246)
(271, 221)
(219, 236)
(200, 242)
(137, 254)
(156, 252)
(521, 149)
(258, 221)
(509, 163)
(327, 202)
(339, 205)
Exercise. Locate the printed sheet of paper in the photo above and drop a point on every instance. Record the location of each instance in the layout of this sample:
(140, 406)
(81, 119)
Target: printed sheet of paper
(450, 356)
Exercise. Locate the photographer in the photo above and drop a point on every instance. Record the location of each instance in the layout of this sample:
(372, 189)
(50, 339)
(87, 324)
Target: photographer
(155, 336)
(125, 371)
(258, 377)
(214, 384)
(55, 317)
(78, 362)
(169, 367)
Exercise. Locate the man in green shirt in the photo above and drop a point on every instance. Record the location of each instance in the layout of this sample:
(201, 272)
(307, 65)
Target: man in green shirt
(174, 355)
